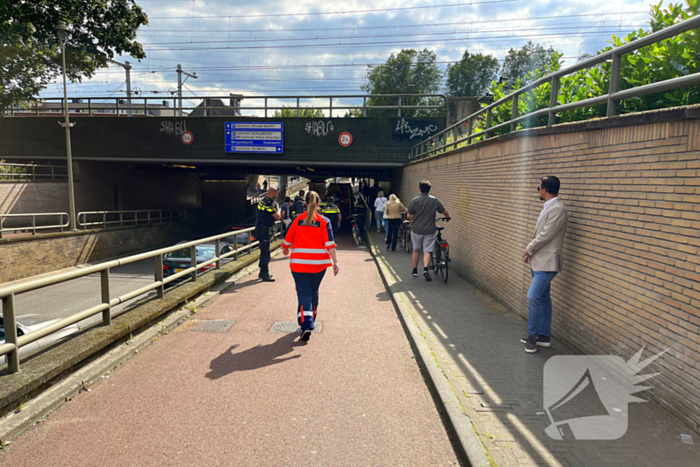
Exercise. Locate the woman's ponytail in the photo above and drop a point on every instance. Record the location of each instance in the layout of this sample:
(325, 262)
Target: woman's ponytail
(312, 202)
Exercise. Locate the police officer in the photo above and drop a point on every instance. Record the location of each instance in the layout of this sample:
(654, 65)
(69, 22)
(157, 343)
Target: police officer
(268, 213)
(299, 205)
(332, 212)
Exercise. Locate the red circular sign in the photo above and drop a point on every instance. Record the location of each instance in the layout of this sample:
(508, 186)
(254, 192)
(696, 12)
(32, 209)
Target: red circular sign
(187, 137)
(345, 139)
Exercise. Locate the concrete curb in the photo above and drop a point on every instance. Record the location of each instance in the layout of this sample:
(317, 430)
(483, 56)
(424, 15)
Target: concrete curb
(462, 426)
(36, 409)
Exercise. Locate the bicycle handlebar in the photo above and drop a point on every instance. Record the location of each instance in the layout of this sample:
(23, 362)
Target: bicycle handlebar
(446, 219)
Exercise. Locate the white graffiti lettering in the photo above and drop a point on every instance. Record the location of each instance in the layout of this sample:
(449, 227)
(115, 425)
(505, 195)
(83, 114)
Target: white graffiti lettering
(319, 128)
(171, 128)
(405, 128)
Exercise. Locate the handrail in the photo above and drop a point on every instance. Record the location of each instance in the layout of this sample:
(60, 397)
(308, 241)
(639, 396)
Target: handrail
(10, 290)
(30, 172)
(107, 218)
(156, 106)
(438, 142)
(34, 227)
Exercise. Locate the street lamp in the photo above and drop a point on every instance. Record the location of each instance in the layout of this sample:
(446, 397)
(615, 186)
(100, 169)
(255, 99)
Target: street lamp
(63, 34)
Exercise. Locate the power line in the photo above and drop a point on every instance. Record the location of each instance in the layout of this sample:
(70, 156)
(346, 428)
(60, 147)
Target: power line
(613, 28)
(324, 13)
(374, 44)
(210, 31)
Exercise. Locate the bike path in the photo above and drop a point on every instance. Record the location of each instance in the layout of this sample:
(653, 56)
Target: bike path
(352, 396)
(476, 342)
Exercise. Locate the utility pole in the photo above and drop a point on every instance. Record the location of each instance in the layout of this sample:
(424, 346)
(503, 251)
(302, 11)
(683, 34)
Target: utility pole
(126, 67)
(180, 72)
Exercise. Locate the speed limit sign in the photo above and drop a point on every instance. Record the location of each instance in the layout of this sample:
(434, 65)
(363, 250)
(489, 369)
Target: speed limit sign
(187, 137)
(345, 139)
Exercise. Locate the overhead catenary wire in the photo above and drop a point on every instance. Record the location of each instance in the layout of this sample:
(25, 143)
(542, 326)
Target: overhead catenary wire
(326, 13)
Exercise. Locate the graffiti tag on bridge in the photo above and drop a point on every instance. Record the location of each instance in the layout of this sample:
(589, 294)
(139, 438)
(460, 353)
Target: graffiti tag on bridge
(319, 128)
(170, 128)
(404, 127)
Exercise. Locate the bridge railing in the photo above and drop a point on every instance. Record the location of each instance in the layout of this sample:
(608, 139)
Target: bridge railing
(454, 135)
(8, 291)
(28, 222)
(104, 219)
(32, 172)
(231, 105)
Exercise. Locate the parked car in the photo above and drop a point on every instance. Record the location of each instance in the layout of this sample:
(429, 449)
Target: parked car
(177, 261)
(39, 343)
(242, 237)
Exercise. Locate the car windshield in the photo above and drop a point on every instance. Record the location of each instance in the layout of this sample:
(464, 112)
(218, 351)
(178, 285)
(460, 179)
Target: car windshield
(185, 254)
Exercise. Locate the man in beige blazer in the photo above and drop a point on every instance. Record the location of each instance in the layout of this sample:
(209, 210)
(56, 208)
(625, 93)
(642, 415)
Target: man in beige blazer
(544, 254)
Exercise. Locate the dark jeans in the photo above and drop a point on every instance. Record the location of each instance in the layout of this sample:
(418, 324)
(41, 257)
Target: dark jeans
(393, 232)
(262, 233)
(307, 292)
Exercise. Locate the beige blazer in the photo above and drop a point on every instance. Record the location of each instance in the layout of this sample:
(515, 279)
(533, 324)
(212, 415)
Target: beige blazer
(547, 247)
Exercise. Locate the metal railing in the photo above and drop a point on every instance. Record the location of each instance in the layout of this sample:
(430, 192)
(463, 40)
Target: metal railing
(8, 291)
(439, 143)
(33, 226)
(221, 106)
(32, 172)
(98, 219)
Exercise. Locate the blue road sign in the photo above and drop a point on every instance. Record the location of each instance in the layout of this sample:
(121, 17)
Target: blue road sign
(255, 137)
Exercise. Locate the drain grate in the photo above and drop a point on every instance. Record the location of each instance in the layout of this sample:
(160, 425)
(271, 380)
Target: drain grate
(209, 325)
(291, 327)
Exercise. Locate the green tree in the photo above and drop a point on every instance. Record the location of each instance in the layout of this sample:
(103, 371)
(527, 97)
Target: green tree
(674, 57)
(30, 52)
(472, 75)
(520, 62)
(303, 112)
(408, 72)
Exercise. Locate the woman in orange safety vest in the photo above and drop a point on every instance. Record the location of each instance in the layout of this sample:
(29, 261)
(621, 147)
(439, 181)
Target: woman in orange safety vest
(310, 242)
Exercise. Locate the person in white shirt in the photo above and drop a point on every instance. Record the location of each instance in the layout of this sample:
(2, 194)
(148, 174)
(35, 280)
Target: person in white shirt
(379, 211)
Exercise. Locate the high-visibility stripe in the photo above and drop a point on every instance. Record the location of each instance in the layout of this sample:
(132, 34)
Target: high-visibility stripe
(330, 244)
(302, 314)
(285, 242)
(306, 313)
(311, 261)
(322, 251)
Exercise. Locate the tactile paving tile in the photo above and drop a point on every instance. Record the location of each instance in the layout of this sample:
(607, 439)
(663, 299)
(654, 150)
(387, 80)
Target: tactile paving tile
(209, 325)
(291, 327)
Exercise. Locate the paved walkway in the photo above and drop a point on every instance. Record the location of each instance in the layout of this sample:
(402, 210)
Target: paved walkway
(476, 341)
(352, 396)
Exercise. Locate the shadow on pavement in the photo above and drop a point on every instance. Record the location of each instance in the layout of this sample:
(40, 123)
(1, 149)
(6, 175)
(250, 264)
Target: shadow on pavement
(256, 357)
(505, 386)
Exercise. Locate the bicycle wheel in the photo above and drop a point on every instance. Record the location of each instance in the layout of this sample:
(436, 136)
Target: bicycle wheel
(445, 269)
(436, 261)
(408, 242)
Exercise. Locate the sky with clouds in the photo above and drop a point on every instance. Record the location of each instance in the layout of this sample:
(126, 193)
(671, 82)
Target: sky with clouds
(317, 47)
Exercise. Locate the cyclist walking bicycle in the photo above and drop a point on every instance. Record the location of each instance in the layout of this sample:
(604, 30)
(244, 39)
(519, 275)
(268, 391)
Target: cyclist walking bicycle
(392, 215)
(421, 212)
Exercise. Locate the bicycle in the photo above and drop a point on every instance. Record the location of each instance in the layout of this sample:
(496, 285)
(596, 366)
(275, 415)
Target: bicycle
(356, 233)
(440, 260)
(405, 234)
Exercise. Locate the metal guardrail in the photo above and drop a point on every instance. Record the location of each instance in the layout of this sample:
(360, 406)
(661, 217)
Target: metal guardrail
(33, 226)
(214, 106)
(8, 291)
(32, 172)
(95, 219)
(438, 143)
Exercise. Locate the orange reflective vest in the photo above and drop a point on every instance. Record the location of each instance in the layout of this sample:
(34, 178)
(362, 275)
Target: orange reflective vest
(309, 244)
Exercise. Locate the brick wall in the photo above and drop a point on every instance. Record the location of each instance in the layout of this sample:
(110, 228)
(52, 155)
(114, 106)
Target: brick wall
(28, 256)
(19, 197)
(632, 269)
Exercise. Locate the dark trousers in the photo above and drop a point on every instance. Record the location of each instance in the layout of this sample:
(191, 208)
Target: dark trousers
(393, 232)
(262, 234)
(307, 284)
